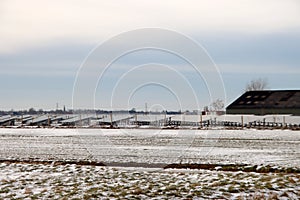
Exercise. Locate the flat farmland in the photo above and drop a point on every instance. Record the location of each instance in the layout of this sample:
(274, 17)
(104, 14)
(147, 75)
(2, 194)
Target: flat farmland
(259, 147)
(31, 167)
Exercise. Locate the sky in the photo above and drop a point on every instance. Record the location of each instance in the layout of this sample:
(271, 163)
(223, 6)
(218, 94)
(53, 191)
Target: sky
(45, 44)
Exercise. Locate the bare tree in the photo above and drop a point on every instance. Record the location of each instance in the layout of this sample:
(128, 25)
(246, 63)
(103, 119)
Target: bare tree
(217, 105)
(257, 84)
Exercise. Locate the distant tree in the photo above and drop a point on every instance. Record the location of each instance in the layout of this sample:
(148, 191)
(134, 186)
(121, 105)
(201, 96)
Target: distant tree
(32, 111)
(133, 110)
(217, 105)
(205, 109)
(257, 84)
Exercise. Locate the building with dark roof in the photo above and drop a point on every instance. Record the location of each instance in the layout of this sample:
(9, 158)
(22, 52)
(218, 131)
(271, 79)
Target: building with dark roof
(267, 102)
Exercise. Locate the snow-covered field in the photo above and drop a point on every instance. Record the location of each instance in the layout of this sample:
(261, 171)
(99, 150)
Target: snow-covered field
(279, 148)
(267, 147)
(27, 181)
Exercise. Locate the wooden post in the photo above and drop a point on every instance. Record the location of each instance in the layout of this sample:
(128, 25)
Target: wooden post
(201, 126)
(111, 120)
(48, 121)
(242, 119)
(80, 121)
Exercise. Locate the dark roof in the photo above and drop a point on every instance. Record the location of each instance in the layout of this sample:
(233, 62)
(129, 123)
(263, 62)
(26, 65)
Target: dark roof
(277, 99)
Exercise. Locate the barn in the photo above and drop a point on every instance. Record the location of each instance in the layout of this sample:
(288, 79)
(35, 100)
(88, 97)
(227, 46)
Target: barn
(266, 102)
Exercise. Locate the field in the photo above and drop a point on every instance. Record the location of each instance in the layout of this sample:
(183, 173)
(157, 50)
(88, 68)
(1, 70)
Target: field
(126, 153)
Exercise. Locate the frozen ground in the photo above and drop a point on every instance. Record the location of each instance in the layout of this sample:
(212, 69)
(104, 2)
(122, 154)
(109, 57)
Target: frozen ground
(19, 180)
(266, 147)
(28, 181)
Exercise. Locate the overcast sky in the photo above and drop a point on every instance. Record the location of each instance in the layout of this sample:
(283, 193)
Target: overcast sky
(43, 44)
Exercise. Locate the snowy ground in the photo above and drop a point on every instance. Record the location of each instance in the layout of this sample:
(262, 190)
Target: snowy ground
(45, 181)
(266, 147)
(39, 181)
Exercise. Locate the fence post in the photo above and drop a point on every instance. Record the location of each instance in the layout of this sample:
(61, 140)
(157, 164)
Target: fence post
(242, 119)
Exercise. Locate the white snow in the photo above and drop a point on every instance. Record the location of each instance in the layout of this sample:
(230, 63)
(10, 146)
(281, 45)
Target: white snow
(267, 147)
(39, 181)
(279, 148)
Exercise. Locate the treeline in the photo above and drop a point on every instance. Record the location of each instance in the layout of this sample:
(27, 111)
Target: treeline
(32, 111)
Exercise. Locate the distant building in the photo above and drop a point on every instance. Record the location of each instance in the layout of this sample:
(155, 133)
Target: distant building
(267, 102)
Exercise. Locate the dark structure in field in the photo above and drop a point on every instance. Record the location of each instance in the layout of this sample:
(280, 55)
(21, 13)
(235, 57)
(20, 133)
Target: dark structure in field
(267, 102)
